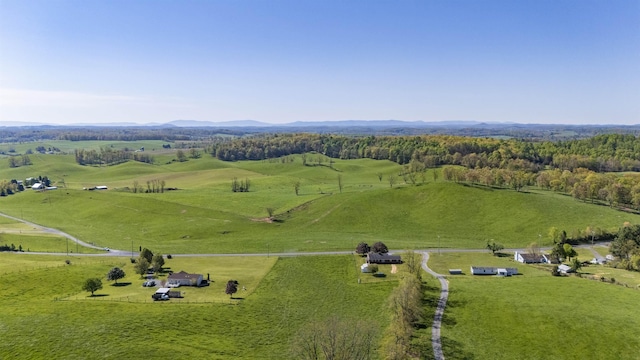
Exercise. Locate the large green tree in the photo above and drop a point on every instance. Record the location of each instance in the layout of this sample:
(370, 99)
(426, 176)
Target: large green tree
(92, 285)
(142, 266)
(157, 263)
(115, 274)
(232, 287)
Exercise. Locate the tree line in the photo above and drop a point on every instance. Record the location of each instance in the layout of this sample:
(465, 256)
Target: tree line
(582, 184)
(601, 153)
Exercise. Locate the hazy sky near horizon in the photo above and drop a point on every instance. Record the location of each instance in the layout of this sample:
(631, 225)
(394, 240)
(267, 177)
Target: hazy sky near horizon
(542, 61)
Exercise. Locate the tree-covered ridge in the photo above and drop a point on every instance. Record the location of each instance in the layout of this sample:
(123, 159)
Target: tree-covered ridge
(611, 152)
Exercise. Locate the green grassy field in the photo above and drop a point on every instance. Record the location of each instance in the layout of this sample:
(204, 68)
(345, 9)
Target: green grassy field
(204, 216)
(535, 315)
(282, 296)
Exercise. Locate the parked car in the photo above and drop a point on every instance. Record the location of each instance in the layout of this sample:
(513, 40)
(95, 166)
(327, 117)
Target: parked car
(151, 283)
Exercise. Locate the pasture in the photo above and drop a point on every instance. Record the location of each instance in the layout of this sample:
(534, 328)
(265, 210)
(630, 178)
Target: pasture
(535, 315)
(205, 216)
(282, 296)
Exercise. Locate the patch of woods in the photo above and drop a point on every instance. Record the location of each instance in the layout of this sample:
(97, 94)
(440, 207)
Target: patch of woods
(19, 160)
(148, 261)
(601, 153)
(109, 156)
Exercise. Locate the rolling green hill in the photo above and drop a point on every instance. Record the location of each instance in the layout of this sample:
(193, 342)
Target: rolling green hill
(205, 216)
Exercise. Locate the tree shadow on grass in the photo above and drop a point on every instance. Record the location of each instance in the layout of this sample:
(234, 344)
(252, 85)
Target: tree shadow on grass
(454, 350)
(502, 255)
(121, 284)
(97, 295)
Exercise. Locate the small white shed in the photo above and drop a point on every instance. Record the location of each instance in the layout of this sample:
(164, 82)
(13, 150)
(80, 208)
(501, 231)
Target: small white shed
(365, 268)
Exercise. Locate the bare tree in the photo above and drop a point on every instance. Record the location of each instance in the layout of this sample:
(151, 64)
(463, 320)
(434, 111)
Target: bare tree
(335, 339)
(379, 176)
(270, 211)
(296, 186)
(340, 182)
(392, 180)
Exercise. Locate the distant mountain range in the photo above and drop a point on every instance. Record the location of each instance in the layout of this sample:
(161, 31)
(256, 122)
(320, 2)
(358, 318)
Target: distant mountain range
(384, 124)
(254, 123)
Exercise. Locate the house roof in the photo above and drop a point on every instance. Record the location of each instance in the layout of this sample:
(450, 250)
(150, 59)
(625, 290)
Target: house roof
(377, 257)
(183, 275)
(532, 257)
(483, 268)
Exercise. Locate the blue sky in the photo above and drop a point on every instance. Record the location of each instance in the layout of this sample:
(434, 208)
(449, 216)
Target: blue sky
(542, 61)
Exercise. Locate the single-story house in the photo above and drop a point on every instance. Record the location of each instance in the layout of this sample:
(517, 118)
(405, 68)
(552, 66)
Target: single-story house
(37, 186)
(184, 279)
(101, 187)
(377, 258)
(455, 271)
(488, 270)
(530, 258)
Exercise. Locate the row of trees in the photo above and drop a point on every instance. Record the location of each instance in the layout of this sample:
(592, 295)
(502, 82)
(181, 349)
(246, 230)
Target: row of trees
(406, 303)
(153, 186)
(581, 183)
(379, 247)
(242, 186)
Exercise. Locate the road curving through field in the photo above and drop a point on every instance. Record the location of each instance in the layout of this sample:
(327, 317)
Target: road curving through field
(436, 341)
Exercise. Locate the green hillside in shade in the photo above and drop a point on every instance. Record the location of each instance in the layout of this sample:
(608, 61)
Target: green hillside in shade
(205, 216)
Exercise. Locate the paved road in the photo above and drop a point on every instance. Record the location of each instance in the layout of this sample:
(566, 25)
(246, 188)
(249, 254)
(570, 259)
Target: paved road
(436, 341)
(49, 230)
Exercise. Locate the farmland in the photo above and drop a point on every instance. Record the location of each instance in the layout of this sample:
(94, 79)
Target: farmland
(335, 208)
(205, 216)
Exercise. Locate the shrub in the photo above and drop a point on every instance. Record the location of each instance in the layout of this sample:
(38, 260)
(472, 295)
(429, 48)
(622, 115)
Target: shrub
(168, 256)
(68, 262)
(133, 261)
(373, 268)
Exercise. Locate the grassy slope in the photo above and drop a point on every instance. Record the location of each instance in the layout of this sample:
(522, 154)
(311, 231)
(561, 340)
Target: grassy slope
(535, 315)
(205, 216)
(295, 292)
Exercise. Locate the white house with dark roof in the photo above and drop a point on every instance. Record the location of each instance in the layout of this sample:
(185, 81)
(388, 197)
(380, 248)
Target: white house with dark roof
(488, 270)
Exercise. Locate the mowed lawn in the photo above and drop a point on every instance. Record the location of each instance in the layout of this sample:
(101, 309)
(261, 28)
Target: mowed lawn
(535, 315)
(283, 296)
